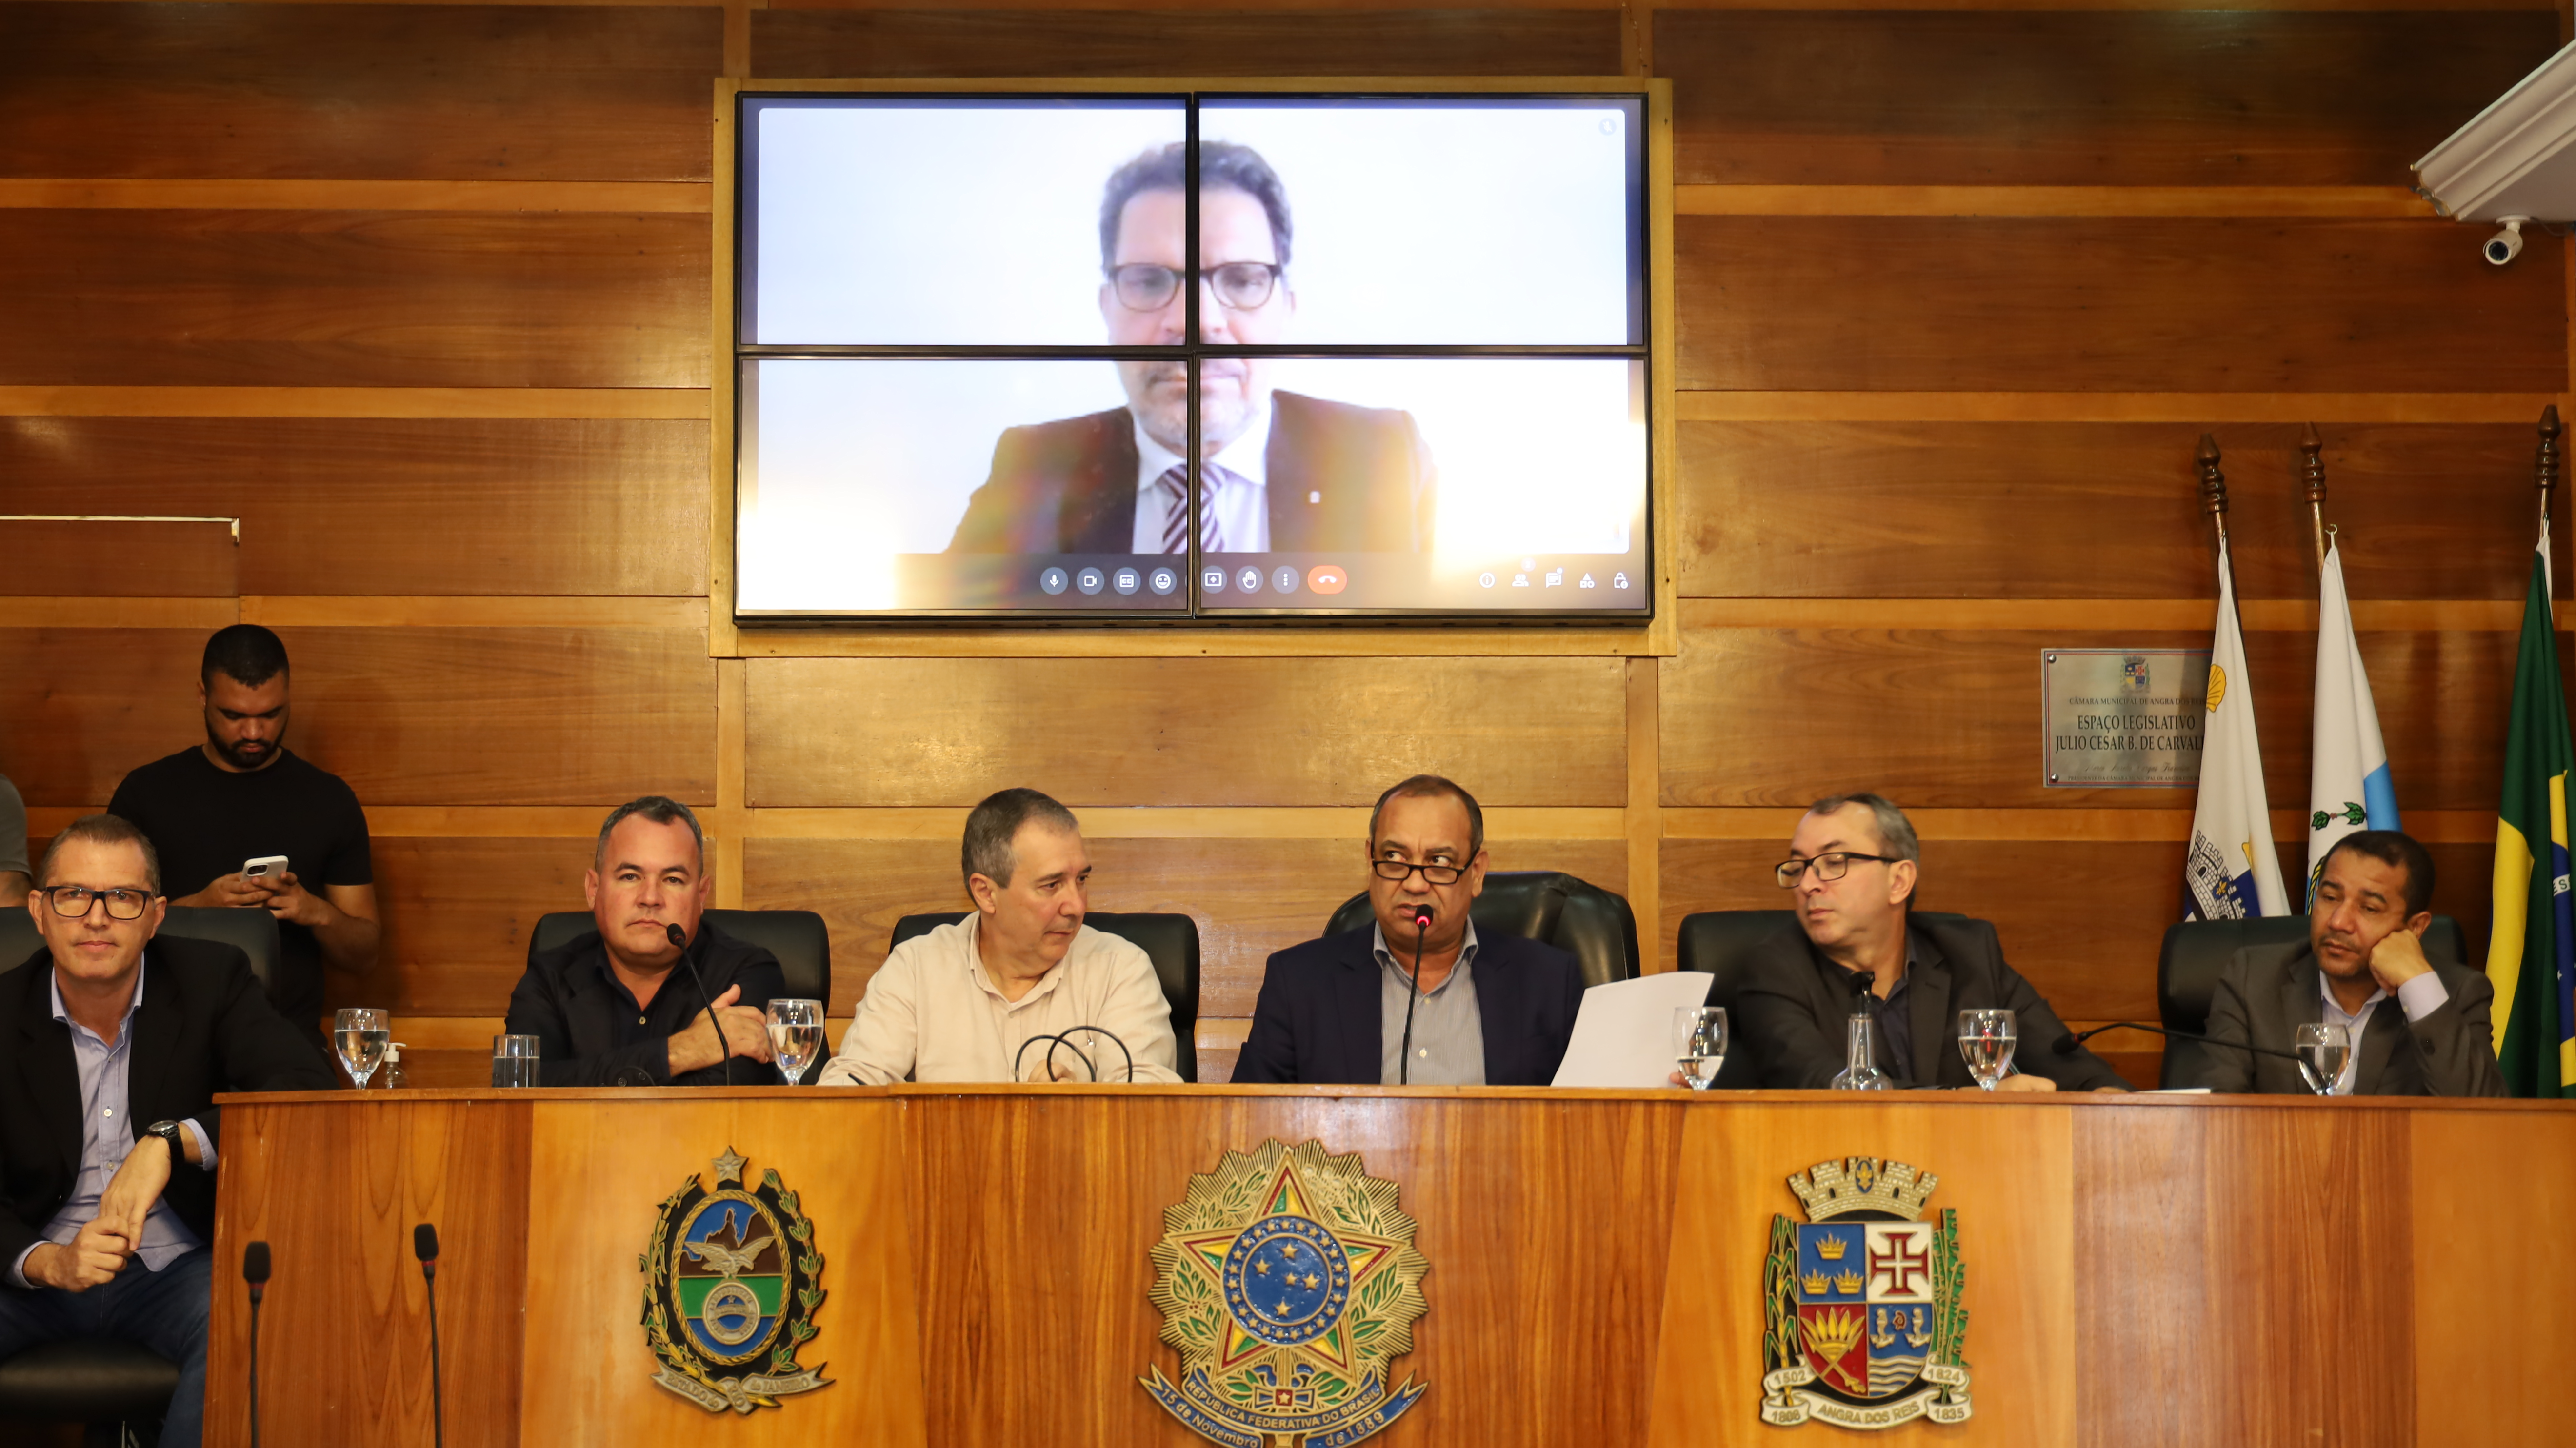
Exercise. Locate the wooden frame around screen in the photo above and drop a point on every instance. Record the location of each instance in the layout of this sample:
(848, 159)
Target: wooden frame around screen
(1659, 636)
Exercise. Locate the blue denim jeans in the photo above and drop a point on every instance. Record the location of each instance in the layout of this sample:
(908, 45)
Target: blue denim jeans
(164, 1311)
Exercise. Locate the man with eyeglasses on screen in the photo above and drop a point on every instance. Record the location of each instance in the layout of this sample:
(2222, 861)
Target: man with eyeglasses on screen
(1853, 865)
(1279, 472)
(1487, 1010)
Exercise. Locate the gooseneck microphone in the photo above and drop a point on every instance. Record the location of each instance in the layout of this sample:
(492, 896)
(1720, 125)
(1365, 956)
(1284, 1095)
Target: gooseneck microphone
(255, 1272)
(1412, 993)
(2067, 1044)
(680, 940)
(424, 1245)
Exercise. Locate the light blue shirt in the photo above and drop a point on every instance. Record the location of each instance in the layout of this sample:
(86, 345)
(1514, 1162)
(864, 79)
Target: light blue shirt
(2418, 998)
(1448, 1028)
(107, 1134)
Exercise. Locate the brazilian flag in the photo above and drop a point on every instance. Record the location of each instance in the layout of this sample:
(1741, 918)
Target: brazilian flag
(2531, 960)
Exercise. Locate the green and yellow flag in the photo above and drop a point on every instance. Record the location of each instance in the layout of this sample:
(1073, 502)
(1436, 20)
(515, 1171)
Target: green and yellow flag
(2532, 957)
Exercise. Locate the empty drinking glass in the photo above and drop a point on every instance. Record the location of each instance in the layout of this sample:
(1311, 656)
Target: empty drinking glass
(1699, 1044)
(514, 1060)
(795, 1036)
(359, 1034)
(1986, 1039)
(1860, 1056)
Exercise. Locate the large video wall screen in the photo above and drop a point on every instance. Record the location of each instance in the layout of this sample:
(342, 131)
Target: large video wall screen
(1172, 357)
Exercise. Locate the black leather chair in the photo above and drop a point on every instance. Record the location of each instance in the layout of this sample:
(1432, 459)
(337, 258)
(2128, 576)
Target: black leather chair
(252, 932)
(2195, 955)
(1593, 925)
(1170, 941)
(799, 938)
(1718, 942)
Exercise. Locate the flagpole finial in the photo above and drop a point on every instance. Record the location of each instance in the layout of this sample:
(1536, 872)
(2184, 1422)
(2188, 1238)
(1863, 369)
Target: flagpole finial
(2545, 465)
(2313, 472)
(2213, 483)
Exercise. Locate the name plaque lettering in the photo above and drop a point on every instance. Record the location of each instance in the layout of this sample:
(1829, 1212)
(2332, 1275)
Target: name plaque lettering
(2123, 718)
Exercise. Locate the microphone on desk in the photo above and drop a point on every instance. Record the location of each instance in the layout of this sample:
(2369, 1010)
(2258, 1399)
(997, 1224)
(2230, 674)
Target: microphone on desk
(2068, 1044)
(255, 1272)
(1412, 993)
(424, 1245)
(680, 940)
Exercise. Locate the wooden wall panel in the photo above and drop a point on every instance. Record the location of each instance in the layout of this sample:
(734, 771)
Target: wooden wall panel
(80, 707)
(388, 506)
(2159, 305)
(1250, 897)
(354, 298)
(465, 716)
(1953, 718)
(1182, 731)
(426, 92)
(2095, 510)
(94, 557)
(1184, 42)
(2076, 98)
(457, 915)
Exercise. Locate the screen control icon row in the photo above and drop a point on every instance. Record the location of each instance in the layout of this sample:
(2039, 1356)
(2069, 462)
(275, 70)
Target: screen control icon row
(1322, 578)
(1555, 579)
(1164, 581)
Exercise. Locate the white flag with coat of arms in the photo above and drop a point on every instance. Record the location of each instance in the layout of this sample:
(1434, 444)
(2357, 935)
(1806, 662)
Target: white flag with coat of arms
(2348, 784)
(2231, 870)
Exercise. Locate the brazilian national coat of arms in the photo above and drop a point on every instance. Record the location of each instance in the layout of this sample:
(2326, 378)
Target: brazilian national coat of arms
(1289, 1283)
(1862, 1322)
(731, 1284)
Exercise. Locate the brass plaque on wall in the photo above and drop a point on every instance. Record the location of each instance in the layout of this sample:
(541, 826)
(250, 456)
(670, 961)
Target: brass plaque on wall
(2122, 718)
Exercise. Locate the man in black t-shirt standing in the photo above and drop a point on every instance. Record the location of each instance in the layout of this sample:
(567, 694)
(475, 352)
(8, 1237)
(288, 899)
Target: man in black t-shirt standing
(243, 796)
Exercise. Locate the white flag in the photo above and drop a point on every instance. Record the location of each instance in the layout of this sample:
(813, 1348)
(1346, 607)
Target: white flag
(2348, 784)
(2231, 870)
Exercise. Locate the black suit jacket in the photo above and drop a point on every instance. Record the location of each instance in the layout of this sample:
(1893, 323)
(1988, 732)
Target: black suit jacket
(563, 1002)
(1340, 477)
(204, 1026)
(2270, 990)
(1317, 1021)
(1794, 1003)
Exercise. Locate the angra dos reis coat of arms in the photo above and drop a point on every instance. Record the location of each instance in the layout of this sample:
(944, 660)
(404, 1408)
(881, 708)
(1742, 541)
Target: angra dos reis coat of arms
(1289, 1283)
(1862, 1322)
(732, 1283)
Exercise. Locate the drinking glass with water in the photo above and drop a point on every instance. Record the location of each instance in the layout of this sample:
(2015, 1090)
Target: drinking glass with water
(1699, 1044)
(359, 1034)
(514, 1060)
(2324, 1050)
(1986, 1039)
(795, 1036)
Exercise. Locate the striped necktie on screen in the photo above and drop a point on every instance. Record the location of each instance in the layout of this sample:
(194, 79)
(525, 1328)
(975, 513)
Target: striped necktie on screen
(1176, 511)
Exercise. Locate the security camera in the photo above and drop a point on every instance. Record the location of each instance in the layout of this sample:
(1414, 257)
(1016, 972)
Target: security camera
(2505, 245)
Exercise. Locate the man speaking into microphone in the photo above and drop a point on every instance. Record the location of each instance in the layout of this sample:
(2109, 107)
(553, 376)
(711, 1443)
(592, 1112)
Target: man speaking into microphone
(618, 1005)
(1410, 1000)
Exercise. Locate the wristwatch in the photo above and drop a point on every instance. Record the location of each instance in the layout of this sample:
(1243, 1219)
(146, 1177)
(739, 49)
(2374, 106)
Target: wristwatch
(169, 1132)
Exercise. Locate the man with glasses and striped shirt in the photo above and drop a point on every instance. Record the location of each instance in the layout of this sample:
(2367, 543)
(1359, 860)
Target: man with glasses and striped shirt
(1852, 870)
(1278, 471)
(1416, 997)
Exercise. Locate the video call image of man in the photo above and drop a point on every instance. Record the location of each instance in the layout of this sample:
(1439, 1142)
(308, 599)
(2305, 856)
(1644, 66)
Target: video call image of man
(1280, 471)
(1491, 1010)
(979, 1000)
(2416, 1028)
(243, 795)
(615, 1006)
(119, 1039)
(1854, 865)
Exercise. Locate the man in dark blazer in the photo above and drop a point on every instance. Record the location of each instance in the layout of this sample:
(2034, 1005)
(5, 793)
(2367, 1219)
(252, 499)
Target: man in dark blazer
(1279, 472)
(1489, 1011)
(1854, 864)
(614, 1006)
(117, 1041)
(2364, 950)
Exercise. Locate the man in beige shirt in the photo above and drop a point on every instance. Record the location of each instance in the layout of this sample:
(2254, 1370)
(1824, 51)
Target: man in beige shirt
(961, 1003)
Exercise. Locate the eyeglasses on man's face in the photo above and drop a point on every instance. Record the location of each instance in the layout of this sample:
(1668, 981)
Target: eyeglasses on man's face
(1831, 865)
(1431, 874)
(1242, 286)
(74, 901)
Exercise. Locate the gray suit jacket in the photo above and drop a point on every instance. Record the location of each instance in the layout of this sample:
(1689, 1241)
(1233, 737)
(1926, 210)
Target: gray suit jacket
(1792, 1005)
(2270, 990)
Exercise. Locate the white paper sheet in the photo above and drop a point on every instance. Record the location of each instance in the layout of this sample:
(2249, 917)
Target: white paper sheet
(1623, 1036)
